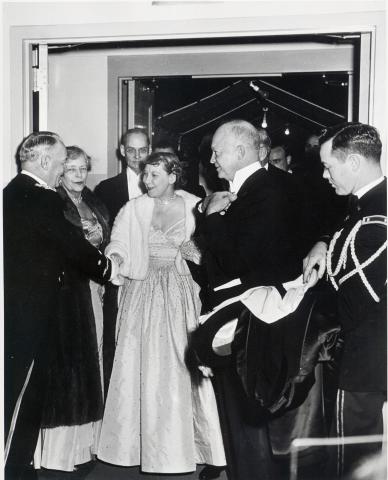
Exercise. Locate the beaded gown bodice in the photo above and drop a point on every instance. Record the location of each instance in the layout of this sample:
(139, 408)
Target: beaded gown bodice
(165, 245)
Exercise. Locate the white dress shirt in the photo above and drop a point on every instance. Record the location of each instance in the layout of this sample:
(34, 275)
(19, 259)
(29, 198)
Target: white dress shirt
(134, 180)
(244, 173)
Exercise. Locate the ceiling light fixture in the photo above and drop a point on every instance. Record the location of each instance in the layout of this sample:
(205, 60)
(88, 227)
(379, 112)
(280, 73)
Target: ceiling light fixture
(264, 123)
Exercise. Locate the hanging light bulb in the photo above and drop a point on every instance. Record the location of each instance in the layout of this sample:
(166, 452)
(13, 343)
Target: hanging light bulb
(264, 123)
(254, 86)
(287, 131)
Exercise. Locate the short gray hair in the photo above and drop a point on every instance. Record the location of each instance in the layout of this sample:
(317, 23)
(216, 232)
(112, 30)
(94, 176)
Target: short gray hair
(248, 133)
(33, 145)
(74, 152)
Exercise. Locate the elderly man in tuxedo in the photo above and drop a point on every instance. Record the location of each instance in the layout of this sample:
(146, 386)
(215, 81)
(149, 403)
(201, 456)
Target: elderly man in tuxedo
(248, 243)
(37, 241)
(355, 260)
(115, 192)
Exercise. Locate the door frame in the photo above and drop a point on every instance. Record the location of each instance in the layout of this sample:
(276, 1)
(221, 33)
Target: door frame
(367, 58)
(21, 38)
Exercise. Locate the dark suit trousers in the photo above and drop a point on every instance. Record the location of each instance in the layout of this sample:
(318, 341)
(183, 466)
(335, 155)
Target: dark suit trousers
(356, 413)
(28, 420)
(244, 431)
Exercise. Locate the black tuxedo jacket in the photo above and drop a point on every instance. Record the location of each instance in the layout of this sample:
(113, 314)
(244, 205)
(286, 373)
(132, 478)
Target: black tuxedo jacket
(363, 320)
(302, 213)
(254, 241)
(113, 193)
(37, 241)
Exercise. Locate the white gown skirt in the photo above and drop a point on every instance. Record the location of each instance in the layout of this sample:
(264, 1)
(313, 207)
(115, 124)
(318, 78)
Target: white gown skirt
(156, 415)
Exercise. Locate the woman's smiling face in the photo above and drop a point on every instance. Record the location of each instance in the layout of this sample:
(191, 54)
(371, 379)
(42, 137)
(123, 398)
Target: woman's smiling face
(157, 181)
(75, 174)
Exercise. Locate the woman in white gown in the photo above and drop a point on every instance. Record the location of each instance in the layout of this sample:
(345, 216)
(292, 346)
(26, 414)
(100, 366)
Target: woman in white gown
(156, 415)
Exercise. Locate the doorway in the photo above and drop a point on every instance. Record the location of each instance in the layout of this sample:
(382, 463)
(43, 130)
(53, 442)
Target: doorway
(169, 74)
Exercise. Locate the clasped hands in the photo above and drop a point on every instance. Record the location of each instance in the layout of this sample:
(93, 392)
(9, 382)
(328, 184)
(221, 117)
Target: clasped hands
(116, 262)
(218, 202)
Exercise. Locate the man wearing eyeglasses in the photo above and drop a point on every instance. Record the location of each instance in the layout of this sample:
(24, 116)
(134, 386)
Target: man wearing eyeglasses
(115, 192)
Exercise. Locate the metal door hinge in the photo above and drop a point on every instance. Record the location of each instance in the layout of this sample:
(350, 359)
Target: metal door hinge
(39, 68)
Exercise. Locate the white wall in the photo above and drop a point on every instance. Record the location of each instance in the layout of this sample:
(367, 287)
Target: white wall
(78, 105)
(91, 21)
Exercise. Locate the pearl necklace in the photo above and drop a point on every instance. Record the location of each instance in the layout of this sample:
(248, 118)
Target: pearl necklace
(76, 200)
(165, 201)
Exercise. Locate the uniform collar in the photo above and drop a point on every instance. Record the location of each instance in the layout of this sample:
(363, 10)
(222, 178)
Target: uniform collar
(365, 189)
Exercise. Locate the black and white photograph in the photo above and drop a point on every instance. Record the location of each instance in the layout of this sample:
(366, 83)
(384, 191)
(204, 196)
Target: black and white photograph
(194, 239)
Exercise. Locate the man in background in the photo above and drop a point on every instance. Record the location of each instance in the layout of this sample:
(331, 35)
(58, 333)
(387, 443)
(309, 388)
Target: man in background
(116, 191)
(279, 158)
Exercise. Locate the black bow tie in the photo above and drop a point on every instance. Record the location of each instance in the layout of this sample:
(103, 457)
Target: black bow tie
(353, 205)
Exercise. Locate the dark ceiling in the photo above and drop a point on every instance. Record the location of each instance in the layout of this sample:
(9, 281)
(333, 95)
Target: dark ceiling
(187, 109)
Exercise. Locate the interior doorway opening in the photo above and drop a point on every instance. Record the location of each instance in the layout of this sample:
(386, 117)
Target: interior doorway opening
(184, 88)
(184, 112)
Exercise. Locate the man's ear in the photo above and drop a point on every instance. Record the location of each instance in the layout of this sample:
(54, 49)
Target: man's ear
(354, 160)
(288, 158)
(241, 150)
(122, 150)
(45, 161)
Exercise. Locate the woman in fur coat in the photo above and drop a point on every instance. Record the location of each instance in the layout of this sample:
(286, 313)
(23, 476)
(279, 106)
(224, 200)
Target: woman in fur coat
(74, 400)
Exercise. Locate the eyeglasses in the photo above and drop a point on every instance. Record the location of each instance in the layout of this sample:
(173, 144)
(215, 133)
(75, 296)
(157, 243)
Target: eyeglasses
(75, 170)
(136, 152)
